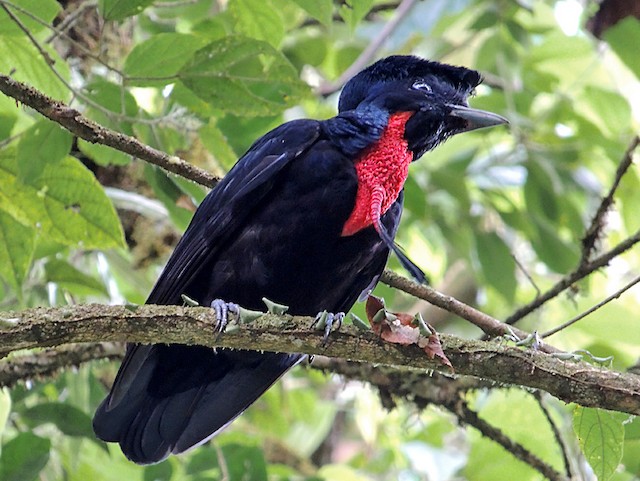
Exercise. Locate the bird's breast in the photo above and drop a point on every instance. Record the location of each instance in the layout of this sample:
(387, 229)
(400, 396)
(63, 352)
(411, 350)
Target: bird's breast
(382, 170)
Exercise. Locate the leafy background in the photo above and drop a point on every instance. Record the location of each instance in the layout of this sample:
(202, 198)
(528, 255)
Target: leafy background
(492, 217)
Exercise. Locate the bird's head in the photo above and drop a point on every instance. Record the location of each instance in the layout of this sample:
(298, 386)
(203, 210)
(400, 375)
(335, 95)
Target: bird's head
(437, 94)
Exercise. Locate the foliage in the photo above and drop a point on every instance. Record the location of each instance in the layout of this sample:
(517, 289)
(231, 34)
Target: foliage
(203, 79)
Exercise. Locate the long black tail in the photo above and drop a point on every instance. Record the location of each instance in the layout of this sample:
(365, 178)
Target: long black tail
(169, 398)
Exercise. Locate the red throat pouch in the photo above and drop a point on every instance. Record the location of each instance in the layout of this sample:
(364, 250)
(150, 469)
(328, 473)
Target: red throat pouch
(382, 170)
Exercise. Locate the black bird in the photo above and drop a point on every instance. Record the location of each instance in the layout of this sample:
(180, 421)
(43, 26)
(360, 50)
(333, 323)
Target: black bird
(306, 218)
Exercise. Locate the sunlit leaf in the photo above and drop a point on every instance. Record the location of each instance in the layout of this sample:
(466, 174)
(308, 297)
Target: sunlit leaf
(622, 38)
(353, 11)
(33, 14)
(243, 76)
(216, 142)
(321, 10)
(601, 434)
(121, 9)
(17, 244)
(5, 408)
(68, 277)
(26, 64)
(65, 203)
(32, 156)
(498, 265)
(156, 60)
(258, 19)
(607, 109)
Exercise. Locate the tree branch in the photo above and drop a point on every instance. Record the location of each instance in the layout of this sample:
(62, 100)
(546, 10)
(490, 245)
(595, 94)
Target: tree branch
(572, 382)
(581, 272)
(88, 130)
(489, 325)
(48, 362)
(439, 390)
(471, 418)
(369, 52)
(594, 231)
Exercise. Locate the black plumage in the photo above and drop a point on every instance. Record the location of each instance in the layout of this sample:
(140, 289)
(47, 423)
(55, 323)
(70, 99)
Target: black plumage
(274, 227)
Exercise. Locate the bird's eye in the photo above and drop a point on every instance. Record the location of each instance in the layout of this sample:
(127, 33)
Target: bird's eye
(421, 85)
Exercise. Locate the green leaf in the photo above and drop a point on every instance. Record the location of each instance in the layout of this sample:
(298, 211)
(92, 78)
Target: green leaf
(309, 48)
(601, 435)
(498, 266)
(24, 457)
(103, 155)
(520, 418)
(17, 244)
(66, 203)
(119, 101)
(32, 156)
(115, 99)
(541, 190)
(241, 462)
(243, 76)
(19, 56)
(121, 9)
(353, 11)
(159, 472)
(5, 408)
(624, 37)
(68, 419)
(559, 255)
(44, 12)
(159, 57)
(606, 109)
(321, 10)
(631, 455)
(629, 196)
(170, 194)
(216, 143)
(258, 19)
(70, 278)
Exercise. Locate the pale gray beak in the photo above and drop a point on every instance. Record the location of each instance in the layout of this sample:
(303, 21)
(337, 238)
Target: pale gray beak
(476, 119)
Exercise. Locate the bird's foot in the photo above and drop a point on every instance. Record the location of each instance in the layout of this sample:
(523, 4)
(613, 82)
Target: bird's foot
(222, 310)
(326, 321)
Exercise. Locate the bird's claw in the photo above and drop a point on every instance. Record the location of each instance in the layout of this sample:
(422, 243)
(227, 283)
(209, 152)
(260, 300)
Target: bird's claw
(327, 320)
(222, 310)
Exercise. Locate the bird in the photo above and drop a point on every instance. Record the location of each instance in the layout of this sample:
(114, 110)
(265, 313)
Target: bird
(306, 218)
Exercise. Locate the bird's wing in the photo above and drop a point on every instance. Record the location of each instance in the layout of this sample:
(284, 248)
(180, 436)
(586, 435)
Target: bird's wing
(221, 213)
(227, 206)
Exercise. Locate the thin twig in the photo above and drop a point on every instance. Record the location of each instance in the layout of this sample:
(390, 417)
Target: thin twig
(110, 114)
(47, 58)
(594, 231)
(93, 132)
(370, 51)
(567, 281)
(526, 274)
(572, 321)
(69, 20)
(381, 7)
(538, 395)
(470, 417)
(489, 325)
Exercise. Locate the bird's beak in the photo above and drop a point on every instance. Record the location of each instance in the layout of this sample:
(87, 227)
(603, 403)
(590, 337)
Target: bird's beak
(476, 119)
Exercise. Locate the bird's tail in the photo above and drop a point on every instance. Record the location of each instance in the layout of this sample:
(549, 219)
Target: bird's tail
(167, 399)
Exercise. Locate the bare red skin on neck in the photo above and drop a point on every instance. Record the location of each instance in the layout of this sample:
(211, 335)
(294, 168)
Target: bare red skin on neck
(382, 170)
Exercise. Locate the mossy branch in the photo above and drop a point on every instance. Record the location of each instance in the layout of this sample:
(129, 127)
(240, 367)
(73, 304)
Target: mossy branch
(494, 361)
